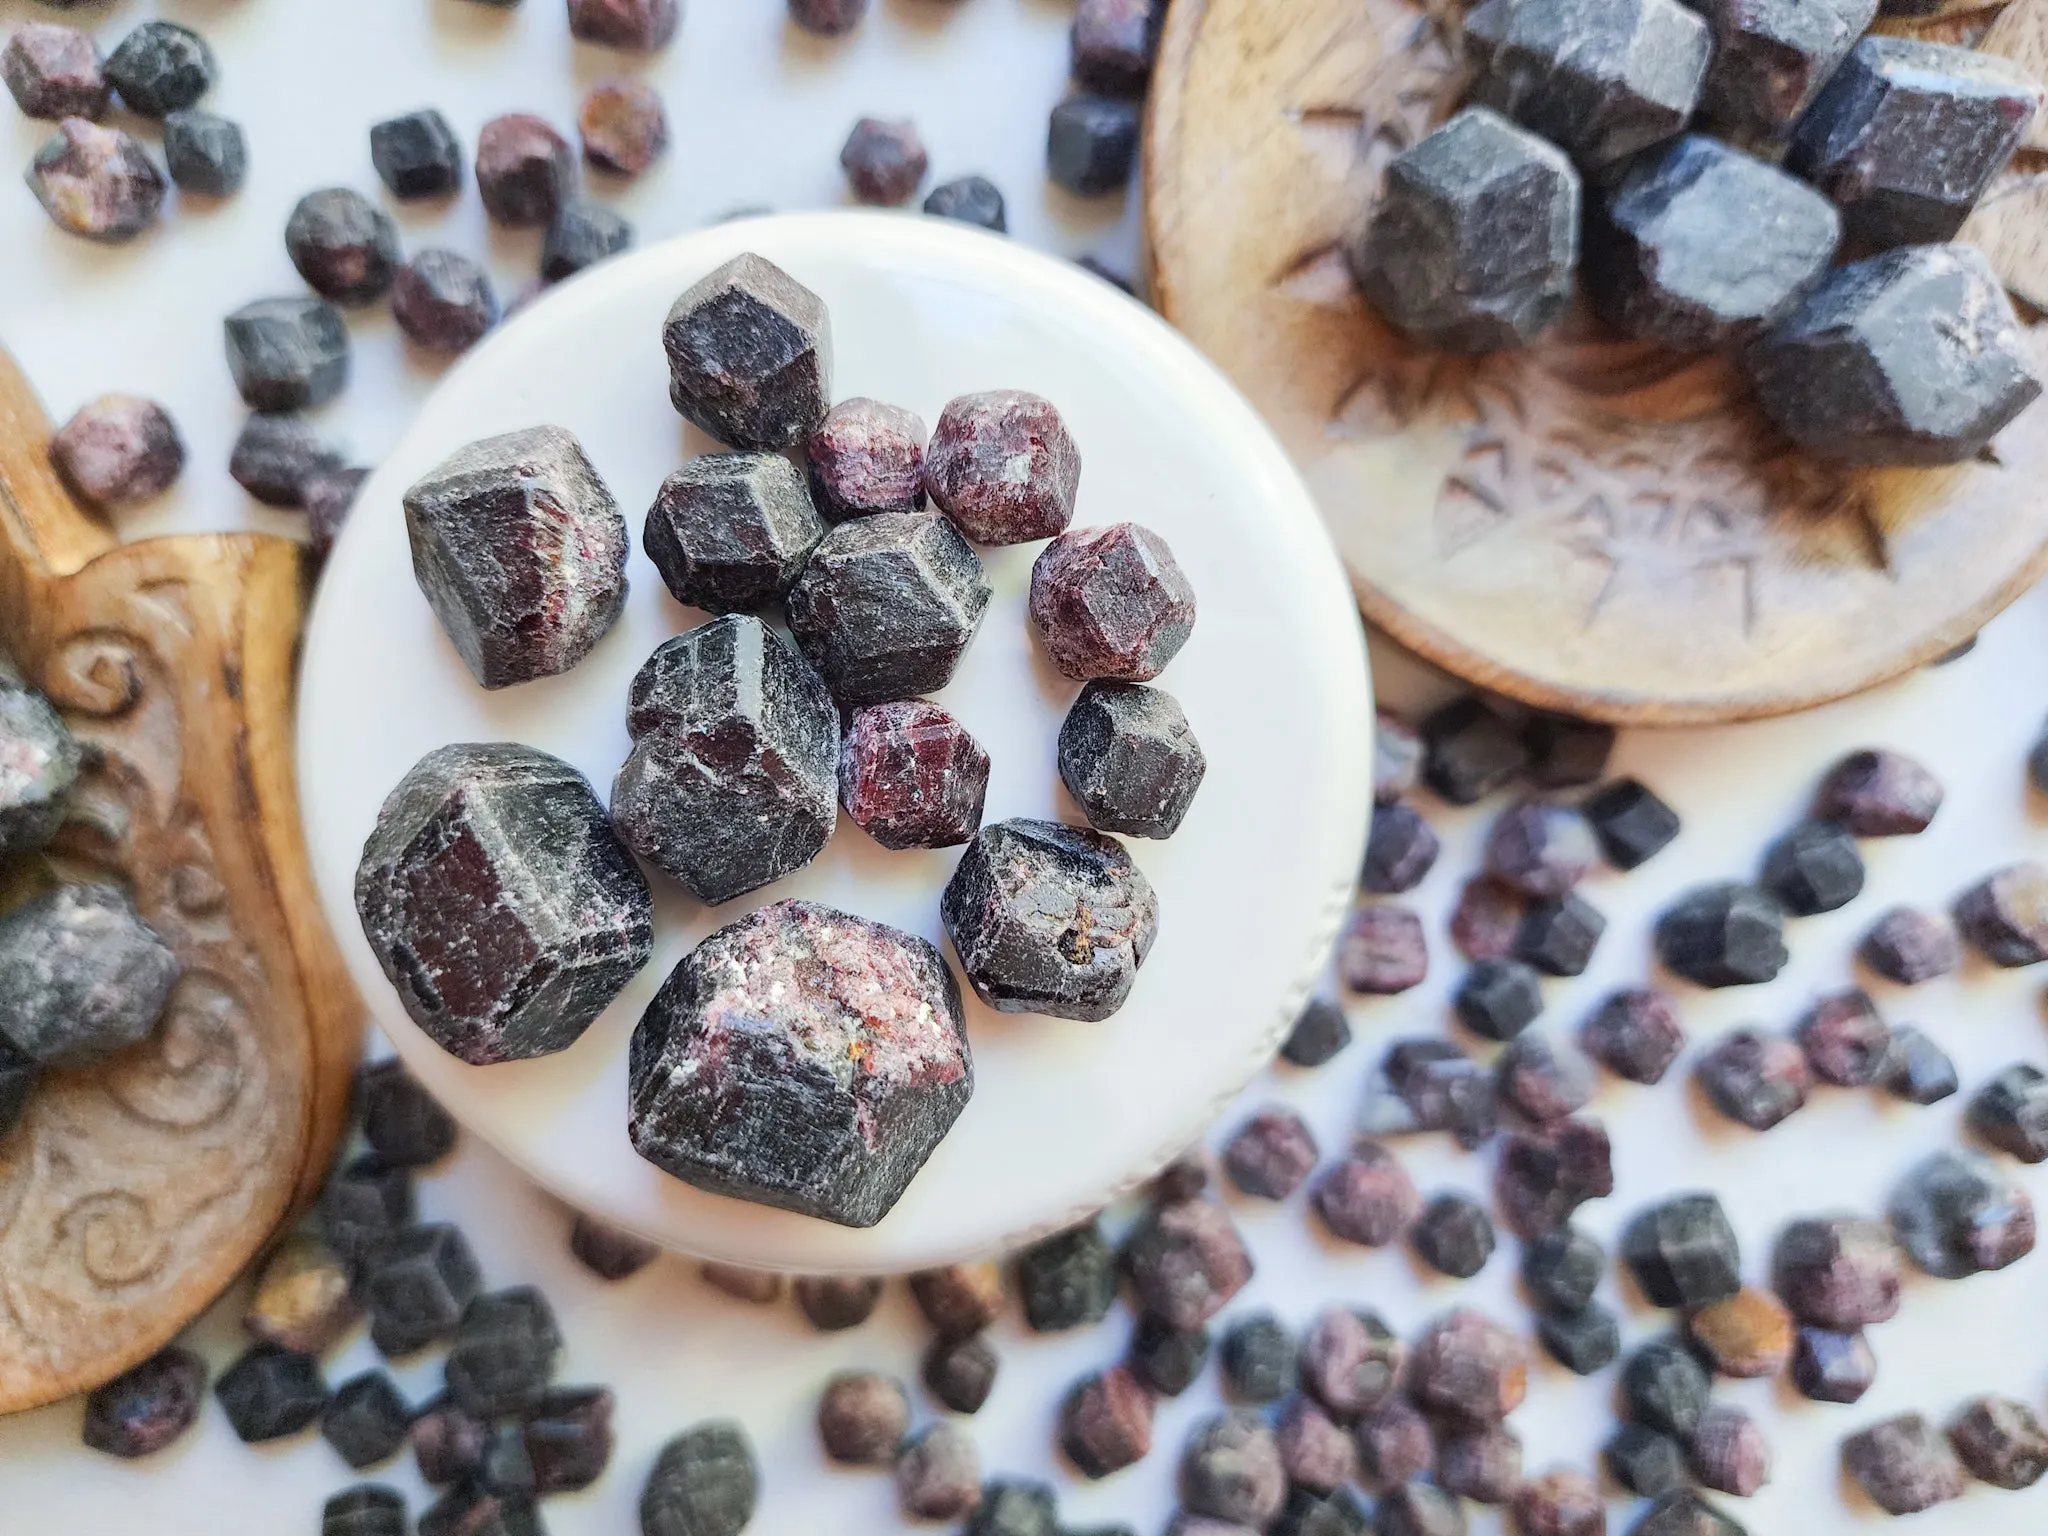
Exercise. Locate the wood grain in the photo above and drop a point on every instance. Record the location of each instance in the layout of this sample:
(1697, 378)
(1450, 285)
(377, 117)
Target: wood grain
(1592, 525)
(133, 1192)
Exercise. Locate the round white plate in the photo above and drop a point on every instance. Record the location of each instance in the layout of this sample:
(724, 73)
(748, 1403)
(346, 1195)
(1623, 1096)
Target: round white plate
(1065, 1114)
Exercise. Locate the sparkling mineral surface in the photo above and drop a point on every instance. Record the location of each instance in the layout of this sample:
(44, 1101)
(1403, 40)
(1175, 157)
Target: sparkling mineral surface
(866, 457)
(1050, 919)
(750, 355)
(1660, 265)
(499, 902)
(1472, 244)
(1912, 357)
(911, 776)
(96, 182)
(1111, 602)
(732, 779)
(81, 975)
(1907, 135)
(803, 1058)
(1129, 756)
(1003, 466)
(730, 532)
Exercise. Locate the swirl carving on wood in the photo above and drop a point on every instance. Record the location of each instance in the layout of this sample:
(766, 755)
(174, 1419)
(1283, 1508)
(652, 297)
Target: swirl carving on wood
(1593, 524)
(134, 1191)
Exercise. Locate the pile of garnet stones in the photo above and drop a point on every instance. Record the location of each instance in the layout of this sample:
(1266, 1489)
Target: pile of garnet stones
(507, 903)
(1756, 177)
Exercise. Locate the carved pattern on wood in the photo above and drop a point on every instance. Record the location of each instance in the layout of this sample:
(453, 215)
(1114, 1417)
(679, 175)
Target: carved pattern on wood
(1621, 484)
(134, 1191)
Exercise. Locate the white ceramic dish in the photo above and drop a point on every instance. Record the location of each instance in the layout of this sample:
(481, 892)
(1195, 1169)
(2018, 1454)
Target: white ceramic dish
(1065, 1114)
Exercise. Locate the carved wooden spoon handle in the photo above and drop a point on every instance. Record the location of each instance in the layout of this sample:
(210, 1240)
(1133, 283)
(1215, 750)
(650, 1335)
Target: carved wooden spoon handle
(132, 1193)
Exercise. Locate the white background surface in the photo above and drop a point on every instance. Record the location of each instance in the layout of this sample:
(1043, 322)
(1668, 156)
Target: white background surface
(761, 118)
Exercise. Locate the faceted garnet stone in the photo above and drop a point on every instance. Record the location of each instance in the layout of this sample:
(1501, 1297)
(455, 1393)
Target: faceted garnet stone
(1907, 135)
(888, 605)
(1111, 602)
(1659, 261)
(731, 783)
(499, 903)
(521, 552)
(1912, 357)
(750, 355)
(1602, 78)
(1128, 755)
(1050, 919)
(911, 776)
(802, 1058)
(1771, 58)
(1003, 467)
(1472, 244)
(729, 532)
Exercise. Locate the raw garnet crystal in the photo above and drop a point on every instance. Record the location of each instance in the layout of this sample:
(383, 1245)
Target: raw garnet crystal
(624, 126)
(96, 182)
(866, 457)
(54, 72)
(750, 355)
(1050, 919)
(1469, 1368)
(442, 300)
(911, 776)
(730, 532)
(118, 449)
(801, 1058)
(1111, 602)
(735, 741)
(147, 1406)
(81, 975)
(1003, 467)
(521, 552)
(499, 903)
(1129, 757)
(524, 169)
(640, 25)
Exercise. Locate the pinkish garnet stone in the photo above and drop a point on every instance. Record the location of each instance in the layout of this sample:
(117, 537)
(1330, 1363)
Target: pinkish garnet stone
(803, 1058)
(1002, 466)
(1111, 602)
(911, 777)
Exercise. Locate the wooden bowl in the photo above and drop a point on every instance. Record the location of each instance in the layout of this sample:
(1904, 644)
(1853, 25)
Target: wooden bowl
(133, 1192)
(1596, 526)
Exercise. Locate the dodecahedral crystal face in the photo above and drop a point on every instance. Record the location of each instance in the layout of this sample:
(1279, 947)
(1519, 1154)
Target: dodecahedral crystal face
(1257, 1359)
(1003, 466)
(639, 25)
(524, 169)
(403, 1123)
(270, 1393)
(971, 200)
(1091, 143)
(1106, 1422)
(729, 532)
(1832, 1367)
(287, 354)
(1663, 1387)
(1724, 936)
(1879, 793)
(1660, 264)
(1601, 78)
(205, 154)
(2005, 916)
(521, 552)
(1912, 357)
(750, 355)
(1771, 58)
(366, 1420)
(344, 245)
(1845, 1039)
(1630, 821)
(2001, 1441)
(2011, 1112)
(1815, 867)
(81, 975)
(96, 182)
(417, 154)
(1904, 1464)
(911, 776)
(1185, 1260)
(1472, 243)
(1230, 1471)
(54, 72)
(569, 1439)
(866, 457)
(1583, 1342)
(1683, 1252)
(802, 1058)
(1113, 43)
(1453, 1236)
(146, 1407)
(1644, 1461)
(888, 605)
(1916, 1069)
(1754, 1078)
(417, 1289)
(442, 300)
(704, 1483)
(1469, 1368)
(1067, 1280)
(623, 124)
(276, 457)
(884, 160)
(499, 903)
(582, 234)
(1111, 603)
(1128, 755)
(1050, 919)
(39, 762)
(504, 1354)
(1839, 1272)
(1907, 135)
(732, 779)
(160, 67)
(1548, 1172)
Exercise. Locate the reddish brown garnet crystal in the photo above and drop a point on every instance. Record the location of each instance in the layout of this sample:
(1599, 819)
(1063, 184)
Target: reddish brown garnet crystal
(801, 1058)
(910, 776)
(1111, 602)
(1002, 466)
(499, 903)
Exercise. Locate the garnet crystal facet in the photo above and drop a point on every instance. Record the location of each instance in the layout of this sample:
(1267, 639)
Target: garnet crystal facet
(911, 776)
(802, 1058)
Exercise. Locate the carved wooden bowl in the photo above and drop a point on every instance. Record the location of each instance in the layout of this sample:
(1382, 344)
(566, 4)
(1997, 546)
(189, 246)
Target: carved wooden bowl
(1597, 526)
(133, 1192)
